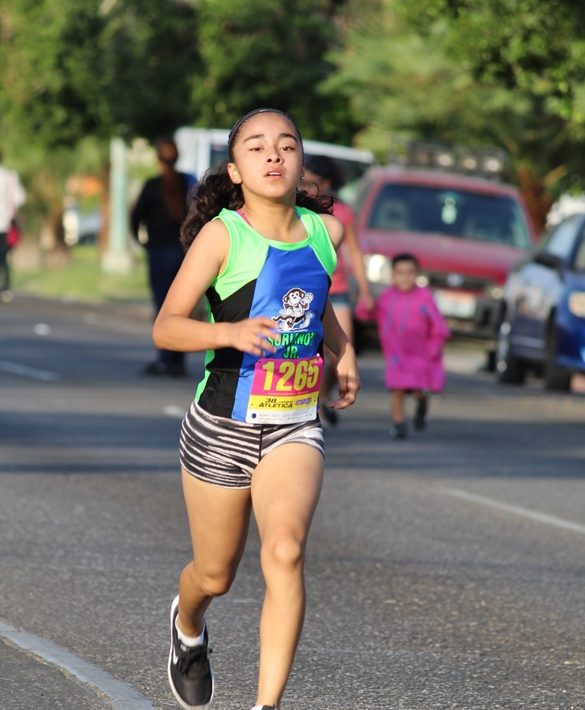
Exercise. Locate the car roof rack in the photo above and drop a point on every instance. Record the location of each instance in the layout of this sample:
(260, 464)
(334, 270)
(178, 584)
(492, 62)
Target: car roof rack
(488, 162)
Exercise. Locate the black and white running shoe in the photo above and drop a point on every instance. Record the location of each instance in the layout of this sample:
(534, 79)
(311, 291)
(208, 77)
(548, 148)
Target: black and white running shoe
(189, 670)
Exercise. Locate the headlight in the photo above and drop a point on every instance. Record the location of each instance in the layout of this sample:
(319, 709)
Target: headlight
(577, 303)
(378, 268)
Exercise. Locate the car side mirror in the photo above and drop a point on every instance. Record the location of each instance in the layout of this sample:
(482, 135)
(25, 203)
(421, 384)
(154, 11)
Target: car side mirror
(551, 261)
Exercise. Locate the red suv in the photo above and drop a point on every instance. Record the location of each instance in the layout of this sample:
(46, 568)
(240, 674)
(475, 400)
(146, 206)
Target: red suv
(467, 233)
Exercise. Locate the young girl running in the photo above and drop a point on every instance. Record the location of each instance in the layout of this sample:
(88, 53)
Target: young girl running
(412, 333)
(251, 440)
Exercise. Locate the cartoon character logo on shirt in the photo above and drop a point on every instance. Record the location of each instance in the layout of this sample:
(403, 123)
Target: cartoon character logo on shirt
(295, 315)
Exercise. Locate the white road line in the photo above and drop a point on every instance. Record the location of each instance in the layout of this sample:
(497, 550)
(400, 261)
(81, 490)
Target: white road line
(120, 695)
(15, 369)
(516, 510)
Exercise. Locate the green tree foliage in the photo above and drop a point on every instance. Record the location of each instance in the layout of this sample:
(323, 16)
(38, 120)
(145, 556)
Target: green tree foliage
(270, 53)
(96, 67)
(529, 54)
(79, 72)
(501, 72)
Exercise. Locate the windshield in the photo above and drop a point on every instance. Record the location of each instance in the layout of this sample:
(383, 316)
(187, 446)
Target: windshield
(456, 213)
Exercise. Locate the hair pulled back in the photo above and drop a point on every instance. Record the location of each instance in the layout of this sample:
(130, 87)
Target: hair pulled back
(216, 191)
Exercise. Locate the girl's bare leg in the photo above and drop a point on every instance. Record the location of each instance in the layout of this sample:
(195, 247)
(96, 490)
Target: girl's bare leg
(285, 490)
(397, 406)
(218, 523)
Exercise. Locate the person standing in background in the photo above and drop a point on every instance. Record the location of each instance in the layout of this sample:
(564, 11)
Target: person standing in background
(12, 197)
(324, 173)
(161, 207)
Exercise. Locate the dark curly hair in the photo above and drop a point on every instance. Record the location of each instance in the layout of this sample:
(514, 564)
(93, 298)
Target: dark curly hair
(326, 168)
(216, 191)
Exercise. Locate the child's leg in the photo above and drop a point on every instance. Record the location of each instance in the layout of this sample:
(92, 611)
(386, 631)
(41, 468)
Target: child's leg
(422, 409)
(285, 490)
(218, 522)
(397, 405)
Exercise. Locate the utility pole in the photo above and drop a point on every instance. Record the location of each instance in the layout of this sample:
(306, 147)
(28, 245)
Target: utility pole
(117, 258)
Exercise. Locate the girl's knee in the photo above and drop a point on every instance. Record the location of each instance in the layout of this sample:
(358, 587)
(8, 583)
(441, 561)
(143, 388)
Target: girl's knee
(282, 552)
(211, 582)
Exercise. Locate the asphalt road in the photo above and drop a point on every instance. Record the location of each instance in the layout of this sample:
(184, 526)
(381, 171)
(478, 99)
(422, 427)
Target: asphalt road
(443, 572)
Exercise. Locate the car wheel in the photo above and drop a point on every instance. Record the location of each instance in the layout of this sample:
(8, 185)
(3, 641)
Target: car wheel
(491, 361)
(555, 377)
(510, 370)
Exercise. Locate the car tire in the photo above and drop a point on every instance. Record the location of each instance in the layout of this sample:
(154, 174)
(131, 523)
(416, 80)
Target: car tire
(554, 377)
(491, 361)
(510, 370)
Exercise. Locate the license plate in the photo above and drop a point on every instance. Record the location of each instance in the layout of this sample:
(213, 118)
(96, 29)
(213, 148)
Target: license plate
(456, 305)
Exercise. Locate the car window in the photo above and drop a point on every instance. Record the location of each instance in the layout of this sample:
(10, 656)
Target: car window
(562, 239)
(458, 213)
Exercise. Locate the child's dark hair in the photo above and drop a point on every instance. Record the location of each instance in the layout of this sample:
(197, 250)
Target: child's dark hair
(326, 168)
(405, 256)
(216, 191)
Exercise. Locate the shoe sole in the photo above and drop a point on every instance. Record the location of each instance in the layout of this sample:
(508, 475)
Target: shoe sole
(178, 698)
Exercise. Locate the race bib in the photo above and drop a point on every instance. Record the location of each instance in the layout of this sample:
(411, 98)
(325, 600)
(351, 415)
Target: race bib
(285, 391)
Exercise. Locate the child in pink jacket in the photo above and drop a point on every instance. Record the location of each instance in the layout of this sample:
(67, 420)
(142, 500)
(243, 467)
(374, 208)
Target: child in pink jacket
(412, 334)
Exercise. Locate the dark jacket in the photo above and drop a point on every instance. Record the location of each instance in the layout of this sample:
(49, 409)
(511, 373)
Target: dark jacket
(150, 210)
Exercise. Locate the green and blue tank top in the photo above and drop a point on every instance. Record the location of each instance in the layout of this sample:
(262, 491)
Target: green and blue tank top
(288, 283)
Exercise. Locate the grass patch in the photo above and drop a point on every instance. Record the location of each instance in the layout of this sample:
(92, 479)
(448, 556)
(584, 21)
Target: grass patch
(81, 278)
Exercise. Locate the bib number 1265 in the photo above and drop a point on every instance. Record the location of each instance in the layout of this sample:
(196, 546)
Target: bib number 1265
(290, 375)
(285, 391)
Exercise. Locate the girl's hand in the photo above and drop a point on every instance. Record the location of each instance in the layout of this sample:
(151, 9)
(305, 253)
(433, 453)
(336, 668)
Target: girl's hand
(367, 301)
(251, 335)
(365, 308)
(348, 378)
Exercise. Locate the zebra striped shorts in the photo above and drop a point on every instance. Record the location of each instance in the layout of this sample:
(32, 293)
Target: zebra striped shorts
(226, 452)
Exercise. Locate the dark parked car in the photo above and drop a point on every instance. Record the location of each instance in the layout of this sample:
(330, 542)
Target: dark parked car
(544, 318)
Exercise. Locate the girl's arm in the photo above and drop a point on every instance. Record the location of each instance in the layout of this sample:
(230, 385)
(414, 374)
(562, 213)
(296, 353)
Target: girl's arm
(438, 329)
(356, 256)
(335, 338)
(175, 330)
(347, 372)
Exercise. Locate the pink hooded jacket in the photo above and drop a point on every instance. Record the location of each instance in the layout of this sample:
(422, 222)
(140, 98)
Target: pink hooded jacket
(412, 333)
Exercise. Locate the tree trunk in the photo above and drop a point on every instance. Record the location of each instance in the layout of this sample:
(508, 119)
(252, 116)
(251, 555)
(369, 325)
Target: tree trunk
(537, 198)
